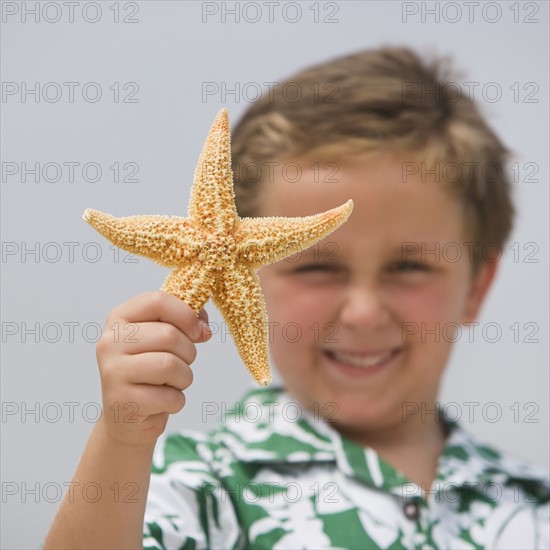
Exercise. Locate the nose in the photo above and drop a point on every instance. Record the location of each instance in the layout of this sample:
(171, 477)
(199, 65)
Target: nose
(363, 306)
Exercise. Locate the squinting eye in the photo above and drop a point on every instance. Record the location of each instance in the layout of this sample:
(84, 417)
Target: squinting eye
(410, 266)
(314, 267)
(320, 268)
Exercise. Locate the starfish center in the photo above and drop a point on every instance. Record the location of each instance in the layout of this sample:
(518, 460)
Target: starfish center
(218, 252)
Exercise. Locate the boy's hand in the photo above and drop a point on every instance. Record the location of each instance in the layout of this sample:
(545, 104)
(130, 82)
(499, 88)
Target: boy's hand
(144, 356)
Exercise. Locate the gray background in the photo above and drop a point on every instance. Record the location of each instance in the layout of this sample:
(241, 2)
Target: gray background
(170, 52)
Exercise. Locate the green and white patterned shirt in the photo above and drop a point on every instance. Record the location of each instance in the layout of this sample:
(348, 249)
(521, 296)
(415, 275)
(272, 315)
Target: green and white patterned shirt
(273, 475)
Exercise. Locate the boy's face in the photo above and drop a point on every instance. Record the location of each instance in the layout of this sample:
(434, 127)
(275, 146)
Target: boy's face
(351, 317)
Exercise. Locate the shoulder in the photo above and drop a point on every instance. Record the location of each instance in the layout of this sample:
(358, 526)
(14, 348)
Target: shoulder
(182, 446)
(492, 468)
(253, 411)
(252, 429)
(187, 503)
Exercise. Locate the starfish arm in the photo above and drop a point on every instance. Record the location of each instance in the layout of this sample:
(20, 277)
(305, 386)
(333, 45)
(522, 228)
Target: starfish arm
(193, 284)
(167, 240)
(239, 298)
(212, 203)
(261, 241)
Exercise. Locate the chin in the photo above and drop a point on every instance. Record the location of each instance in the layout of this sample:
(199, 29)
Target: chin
(342, 408)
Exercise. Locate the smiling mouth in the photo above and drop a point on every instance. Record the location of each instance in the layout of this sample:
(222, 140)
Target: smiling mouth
(362, 360)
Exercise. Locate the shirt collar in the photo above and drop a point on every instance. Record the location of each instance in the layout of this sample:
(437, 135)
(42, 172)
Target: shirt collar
(268, 426)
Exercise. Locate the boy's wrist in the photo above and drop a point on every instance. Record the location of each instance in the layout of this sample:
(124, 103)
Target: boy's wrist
(121, 442)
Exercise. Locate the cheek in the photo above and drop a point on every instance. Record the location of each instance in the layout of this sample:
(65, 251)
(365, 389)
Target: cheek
(289, 301)
(430, 316)
(437, 302)
(420, 306)
(297, 313)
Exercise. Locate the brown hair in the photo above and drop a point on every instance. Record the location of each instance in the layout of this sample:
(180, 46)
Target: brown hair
(386, 99)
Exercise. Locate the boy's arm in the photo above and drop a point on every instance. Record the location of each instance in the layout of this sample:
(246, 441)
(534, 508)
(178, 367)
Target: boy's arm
(115, 520)
(105, 505)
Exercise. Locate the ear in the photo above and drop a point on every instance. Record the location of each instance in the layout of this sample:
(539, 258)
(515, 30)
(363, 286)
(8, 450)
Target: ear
(479, 286)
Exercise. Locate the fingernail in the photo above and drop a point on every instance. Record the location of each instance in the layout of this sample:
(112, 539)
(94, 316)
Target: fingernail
(204, 330)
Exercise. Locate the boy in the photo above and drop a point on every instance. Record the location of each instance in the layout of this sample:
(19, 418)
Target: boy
(343, 456)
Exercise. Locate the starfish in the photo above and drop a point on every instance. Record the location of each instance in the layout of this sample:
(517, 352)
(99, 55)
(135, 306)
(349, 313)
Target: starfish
(213, 253)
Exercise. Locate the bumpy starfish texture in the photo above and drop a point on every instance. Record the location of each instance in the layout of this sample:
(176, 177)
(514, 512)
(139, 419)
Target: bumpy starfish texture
(214, 253)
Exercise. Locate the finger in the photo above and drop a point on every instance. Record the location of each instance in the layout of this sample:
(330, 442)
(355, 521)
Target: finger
(146, 400)
(160, 306)
(148, 337)
(157, 369)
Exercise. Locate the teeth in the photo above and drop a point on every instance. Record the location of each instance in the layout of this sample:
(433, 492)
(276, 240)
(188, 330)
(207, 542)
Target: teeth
(359, 361)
